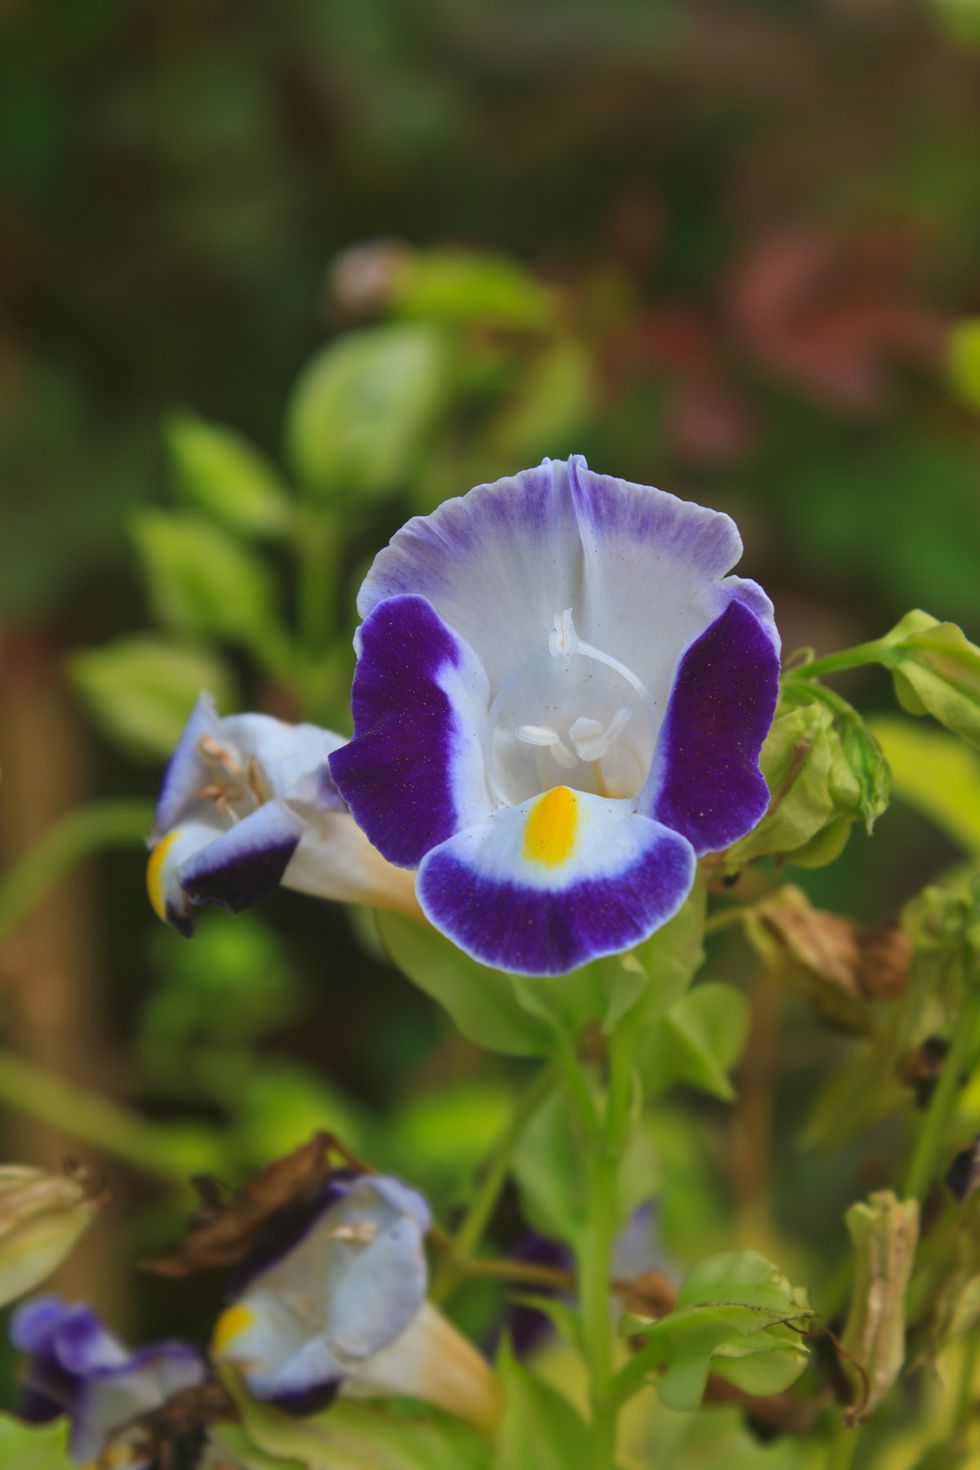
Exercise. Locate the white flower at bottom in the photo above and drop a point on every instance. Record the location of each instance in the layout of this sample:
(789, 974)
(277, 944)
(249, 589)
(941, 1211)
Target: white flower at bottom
(343, 1308)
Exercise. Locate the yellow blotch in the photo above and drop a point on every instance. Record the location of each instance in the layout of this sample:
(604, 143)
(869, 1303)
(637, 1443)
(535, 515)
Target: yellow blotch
(229, 1325)
(552, 824)
(154, 874)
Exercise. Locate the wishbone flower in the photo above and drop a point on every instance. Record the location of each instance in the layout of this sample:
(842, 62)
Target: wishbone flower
(341, 1304)
(248, 802)
(78, 1368)
(559, 703)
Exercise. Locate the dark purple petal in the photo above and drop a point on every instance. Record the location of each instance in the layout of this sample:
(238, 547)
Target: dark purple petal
(245, 864)
(706, 783)
(413, 773)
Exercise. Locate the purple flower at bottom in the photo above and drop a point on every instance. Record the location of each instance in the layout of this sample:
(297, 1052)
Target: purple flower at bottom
(559, 703)
(77, 1368)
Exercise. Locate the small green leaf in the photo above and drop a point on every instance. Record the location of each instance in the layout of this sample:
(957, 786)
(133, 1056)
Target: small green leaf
(141, 690)
(540, 1429)
(696, 1042)
(30, 1447)
(468, 287)
(734, 1317)
(202, 580)
(227, 477)
(362, 409)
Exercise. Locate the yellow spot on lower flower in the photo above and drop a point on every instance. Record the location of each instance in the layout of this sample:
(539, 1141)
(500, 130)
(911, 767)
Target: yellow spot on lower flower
(552, 823)
(229, 1325)
(154, 874)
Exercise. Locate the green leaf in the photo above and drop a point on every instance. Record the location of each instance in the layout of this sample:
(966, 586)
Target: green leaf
(551, 405)
(30, 1447)
(936, 670)
(468, 287)
(696, 1042)
(202, 580)
(362, 409)
(141, 690)
(937, 774)
(227, 477)
(351, 1436)
(734, 1317)
(548, 1166)
(963, 349)
(540, 1429)
(481, 1002)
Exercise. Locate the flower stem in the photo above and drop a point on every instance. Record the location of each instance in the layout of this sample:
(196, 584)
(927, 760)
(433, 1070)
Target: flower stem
(928, 1146)
(847, 658)
(595, 1255)
(76, 836)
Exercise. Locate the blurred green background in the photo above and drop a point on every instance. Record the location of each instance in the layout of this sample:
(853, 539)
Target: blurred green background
(717, 247)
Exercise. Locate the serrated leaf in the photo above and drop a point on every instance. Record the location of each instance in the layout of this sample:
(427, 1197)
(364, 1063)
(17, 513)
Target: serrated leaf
(223, 474)
(361, 410)
(141, 690)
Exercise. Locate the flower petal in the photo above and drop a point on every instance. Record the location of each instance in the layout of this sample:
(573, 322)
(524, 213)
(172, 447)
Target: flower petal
(414, 772)
(184, 772)
(545, 886)
(705, 781)
(335, 860)
(244, 864)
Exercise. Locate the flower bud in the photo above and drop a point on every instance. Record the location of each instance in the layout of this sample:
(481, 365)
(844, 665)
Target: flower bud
(41, 1217)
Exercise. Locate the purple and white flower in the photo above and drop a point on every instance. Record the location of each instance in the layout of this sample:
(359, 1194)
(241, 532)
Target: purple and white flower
(343, 1306)
(248, 802)
(559, 704)
(78, 1368)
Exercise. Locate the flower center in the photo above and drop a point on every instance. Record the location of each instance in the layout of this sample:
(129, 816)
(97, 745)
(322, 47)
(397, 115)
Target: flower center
(571, 714)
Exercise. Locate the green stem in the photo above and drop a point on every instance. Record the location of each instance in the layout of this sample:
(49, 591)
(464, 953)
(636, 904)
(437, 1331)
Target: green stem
(927, 1154)
(101, 1124)
(595, 1256)
(85, 830)
(847, 658)
(459, 1264)
(843, 1447)
(965, 1392)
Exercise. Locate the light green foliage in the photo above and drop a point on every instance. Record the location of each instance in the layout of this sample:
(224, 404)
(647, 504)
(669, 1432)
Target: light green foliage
(735, 1316)
(26, 1447)
(824, 769)
(227, 477)
(140, 690)
(936, 671)
(362, 410)
(203, 581)
(961, 19)
(963, 351)
(936, 773)
(540, 1429)
(551, 403)
(350, 1436)
(697, 1042)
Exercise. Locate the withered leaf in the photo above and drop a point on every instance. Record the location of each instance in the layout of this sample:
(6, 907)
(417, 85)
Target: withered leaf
(884, 1231)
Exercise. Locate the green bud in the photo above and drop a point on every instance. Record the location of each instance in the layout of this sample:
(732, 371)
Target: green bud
(42, 1215)
(936, 670)
(884, 1231)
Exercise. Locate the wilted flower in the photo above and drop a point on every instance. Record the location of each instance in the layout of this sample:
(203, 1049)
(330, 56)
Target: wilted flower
(248, 802)
(559, 703)
(41, 1217)
(343, 1304)
(79, 1369)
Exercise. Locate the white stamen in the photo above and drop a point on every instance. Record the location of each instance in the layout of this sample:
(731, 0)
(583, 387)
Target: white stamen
(563, 639)
(543, 735)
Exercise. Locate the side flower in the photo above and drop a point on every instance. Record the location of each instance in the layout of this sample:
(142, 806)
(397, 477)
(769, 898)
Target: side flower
(247, 802)
(559, 703)
(78, 1368)
(342, 1308)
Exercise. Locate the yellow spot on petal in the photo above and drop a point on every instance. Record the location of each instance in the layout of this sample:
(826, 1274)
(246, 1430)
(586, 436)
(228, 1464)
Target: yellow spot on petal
(229, 1325)
(154, 874)
(552, 823)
